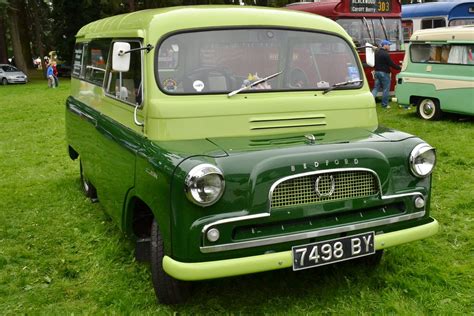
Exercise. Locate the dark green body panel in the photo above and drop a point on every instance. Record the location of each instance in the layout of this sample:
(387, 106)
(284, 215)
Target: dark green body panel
(125, 165)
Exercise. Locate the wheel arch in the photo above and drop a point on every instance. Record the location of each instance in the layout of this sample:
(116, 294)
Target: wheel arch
(138, 218)
(73, 154)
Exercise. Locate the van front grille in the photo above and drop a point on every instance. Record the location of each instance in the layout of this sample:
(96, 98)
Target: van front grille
(318, 188)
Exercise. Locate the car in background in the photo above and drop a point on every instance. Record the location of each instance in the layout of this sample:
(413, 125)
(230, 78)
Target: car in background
(64, 70)
(11, 74)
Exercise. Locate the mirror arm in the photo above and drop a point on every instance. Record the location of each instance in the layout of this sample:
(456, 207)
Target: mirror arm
(148, 48)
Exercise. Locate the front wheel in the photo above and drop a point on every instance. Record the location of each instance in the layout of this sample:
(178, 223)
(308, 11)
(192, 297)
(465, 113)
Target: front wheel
(429, 109)
(168, 290)
(4, 81)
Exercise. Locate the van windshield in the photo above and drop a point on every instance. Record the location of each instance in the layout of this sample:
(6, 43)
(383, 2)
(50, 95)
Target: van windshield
(222, 61)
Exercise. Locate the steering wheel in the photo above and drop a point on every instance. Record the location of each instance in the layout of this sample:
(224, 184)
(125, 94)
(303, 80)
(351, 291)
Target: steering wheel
(297, 79)
(203, 75)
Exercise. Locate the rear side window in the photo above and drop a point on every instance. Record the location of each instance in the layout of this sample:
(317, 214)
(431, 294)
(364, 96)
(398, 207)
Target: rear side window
(127, 86)
(95, 60)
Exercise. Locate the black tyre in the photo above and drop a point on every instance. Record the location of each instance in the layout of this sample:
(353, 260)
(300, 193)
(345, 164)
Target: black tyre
(4, 81)
(429, 109)
(87, 187)
(168, 290)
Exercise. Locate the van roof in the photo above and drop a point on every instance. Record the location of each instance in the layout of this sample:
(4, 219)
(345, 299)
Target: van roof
(464, 33)
(165, 20)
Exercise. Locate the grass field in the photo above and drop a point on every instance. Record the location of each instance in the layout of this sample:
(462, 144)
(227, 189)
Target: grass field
(60, 254)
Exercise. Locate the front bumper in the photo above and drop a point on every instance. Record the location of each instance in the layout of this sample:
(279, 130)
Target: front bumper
(273, 261)
(17, 80)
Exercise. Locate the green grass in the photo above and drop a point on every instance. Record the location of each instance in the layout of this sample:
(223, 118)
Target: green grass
(61, 254)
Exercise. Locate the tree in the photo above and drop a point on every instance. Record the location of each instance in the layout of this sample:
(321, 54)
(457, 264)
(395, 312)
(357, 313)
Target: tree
(3, 39)
(14, 8)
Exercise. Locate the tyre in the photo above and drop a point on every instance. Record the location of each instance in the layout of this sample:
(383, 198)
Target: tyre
(87, 187)
(4, 81)
(429, 109)
(168, 290)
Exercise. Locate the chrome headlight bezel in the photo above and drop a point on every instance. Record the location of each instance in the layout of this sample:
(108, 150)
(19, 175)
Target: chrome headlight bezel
(425, 168)
(194, 181)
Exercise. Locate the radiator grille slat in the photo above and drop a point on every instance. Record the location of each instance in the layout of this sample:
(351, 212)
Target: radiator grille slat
(345, 185)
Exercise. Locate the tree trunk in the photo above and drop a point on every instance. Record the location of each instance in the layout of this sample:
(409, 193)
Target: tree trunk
(3, 42)
(25, 33)
(15, 36)
(38, 29)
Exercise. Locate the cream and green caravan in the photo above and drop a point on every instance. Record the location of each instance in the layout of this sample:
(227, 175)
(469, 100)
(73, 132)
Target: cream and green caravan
(228, 140)
(438, 72)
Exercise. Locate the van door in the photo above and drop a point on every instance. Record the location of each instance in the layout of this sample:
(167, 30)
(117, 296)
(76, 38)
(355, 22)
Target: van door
(119, 136)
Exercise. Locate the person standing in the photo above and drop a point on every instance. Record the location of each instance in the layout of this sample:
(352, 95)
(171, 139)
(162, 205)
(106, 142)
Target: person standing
(382, 76)
(50, 76)
(55, 74)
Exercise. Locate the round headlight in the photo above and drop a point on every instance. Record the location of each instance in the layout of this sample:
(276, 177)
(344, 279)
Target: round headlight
(204, 184)
(422, 160)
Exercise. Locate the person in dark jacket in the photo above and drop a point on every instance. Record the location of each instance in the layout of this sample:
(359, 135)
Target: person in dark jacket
(383, 62)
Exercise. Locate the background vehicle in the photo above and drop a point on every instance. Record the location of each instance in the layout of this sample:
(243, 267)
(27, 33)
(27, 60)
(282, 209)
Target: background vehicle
(228, 149)
(64, 69)
(430, 15)
(438, 72)
(11, 74)
(366, 23)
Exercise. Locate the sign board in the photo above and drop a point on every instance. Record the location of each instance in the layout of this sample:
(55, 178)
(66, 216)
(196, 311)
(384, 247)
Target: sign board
(370, 6)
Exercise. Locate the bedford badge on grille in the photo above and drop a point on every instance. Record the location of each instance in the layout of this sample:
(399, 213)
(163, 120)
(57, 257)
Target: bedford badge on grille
(324, 185)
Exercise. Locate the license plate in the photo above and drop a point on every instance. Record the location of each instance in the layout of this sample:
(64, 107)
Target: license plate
(334, 250)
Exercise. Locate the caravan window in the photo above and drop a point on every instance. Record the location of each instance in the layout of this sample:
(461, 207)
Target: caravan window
(442, 54)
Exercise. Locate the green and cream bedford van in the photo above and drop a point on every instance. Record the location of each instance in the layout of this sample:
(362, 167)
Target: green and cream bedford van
(438, 72)
(234, 140)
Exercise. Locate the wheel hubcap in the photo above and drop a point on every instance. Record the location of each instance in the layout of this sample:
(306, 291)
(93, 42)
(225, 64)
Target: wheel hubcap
(427, 108)
(86, 185)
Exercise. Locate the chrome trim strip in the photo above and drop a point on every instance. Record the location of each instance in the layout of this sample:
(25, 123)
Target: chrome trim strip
(234, 219)
(288, 126)
(74, 109)
(274, 185)
(306, 235)
(395, 196)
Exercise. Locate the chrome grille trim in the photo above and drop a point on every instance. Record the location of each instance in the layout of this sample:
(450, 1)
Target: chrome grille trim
(321, 172)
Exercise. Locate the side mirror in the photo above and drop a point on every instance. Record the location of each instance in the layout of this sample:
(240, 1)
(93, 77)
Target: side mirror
(121, 57)
(369, 55)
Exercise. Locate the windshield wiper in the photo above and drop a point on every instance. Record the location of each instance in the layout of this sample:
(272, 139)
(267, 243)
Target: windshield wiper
(372, 37)
(253, 84)
(340, 84)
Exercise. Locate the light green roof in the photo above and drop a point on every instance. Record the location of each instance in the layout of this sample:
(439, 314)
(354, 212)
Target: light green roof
(165, 20)
(450, 34)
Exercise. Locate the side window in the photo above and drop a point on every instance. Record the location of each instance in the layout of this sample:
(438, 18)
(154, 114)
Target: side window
(95, 60)
(407, 29)
(433, 23)
(127, 86)
(439, 23)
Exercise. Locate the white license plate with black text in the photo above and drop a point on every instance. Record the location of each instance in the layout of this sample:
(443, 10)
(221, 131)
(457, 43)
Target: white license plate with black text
(334, 250)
